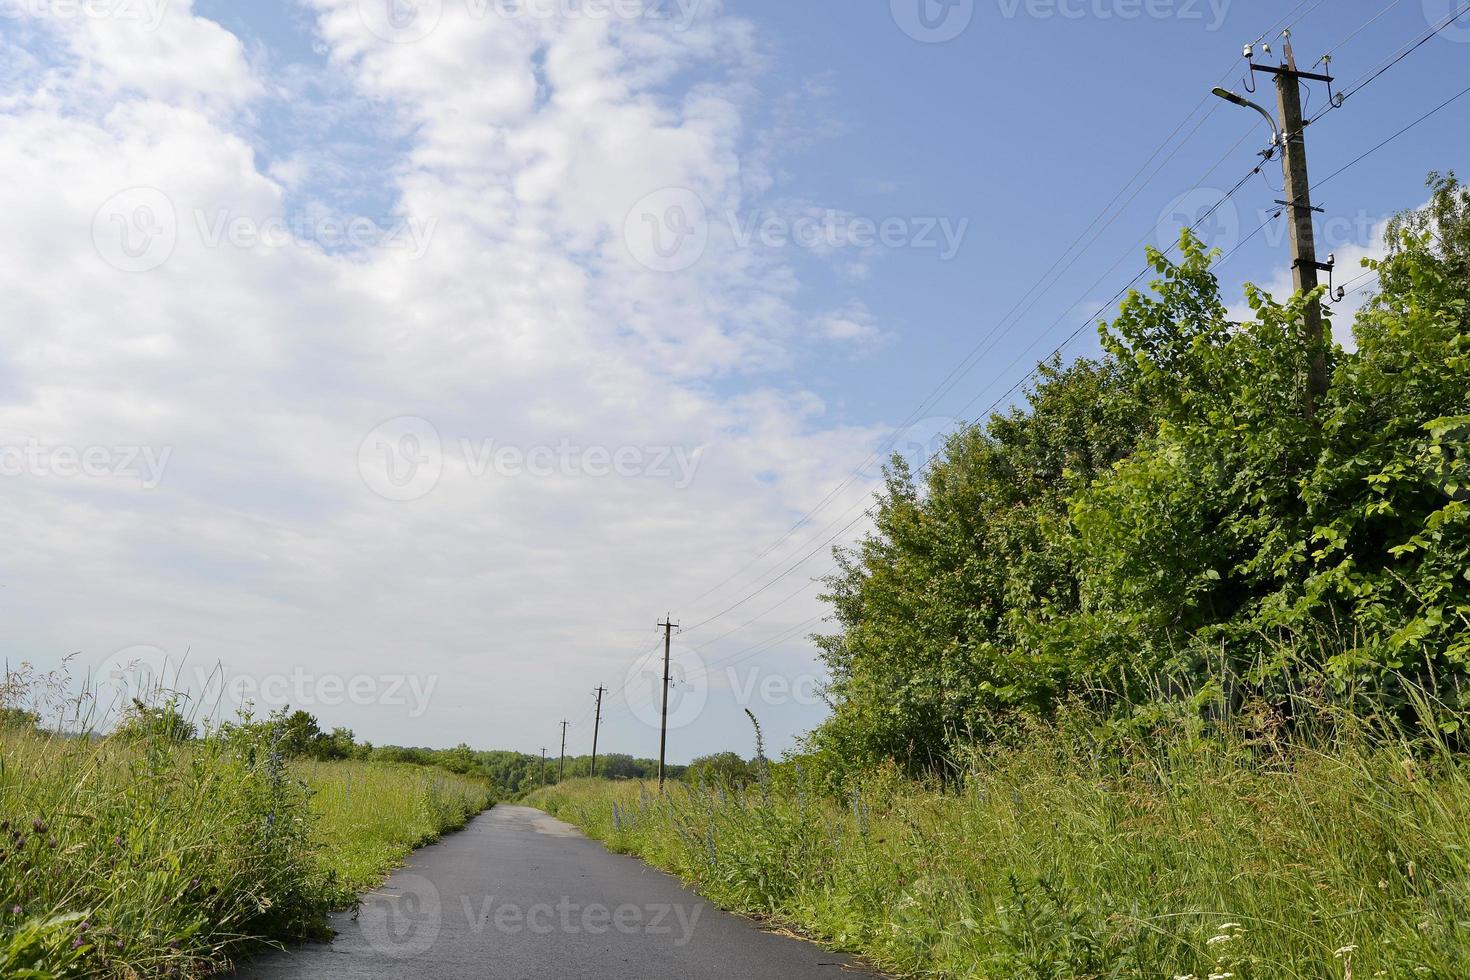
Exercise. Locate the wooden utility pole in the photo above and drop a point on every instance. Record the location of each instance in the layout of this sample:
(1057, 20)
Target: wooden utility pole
(663, 731)
(596, 726)
(561, 772)
(543, 765)
(1304, 266)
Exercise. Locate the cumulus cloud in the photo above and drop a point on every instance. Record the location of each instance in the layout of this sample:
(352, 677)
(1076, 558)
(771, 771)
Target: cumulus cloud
(472, 434)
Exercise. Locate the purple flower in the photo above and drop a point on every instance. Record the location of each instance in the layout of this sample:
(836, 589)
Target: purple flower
(16, 910)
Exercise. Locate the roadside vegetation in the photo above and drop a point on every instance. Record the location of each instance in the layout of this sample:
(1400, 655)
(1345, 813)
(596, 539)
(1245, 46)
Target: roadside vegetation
(157, 852)
(1165, 673)
(1066, 855)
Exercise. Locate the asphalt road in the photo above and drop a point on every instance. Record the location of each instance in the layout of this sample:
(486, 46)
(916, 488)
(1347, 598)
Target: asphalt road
(518, 895)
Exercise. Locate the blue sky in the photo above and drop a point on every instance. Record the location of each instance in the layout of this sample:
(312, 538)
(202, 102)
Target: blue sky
(355, 325)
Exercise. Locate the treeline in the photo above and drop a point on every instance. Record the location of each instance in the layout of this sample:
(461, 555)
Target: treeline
(1173, 528)
(298, 735)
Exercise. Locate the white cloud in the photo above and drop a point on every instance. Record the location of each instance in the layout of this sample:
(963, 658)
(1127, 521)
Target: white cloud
(262, 365)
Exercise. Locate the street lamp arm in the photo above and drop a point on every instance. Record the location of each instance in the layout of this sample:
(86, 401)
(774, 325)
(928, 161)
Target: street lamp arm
(1229, 96)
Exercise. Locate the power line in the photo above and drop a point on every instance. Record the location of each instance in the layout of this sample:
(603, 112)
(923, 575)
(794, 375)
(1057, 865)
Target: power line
(1007, 322)
(1403, 53)
(946, 385)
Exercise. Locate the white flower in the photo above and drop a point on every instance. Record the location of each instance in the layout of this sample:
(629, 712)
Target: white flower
(1345, 950)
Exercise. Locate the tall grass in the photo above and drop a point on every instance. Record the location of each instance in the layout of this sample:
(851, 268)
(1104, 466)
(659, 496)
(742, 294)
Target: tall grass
(136, 858)
(1240, 855)
(370, 815)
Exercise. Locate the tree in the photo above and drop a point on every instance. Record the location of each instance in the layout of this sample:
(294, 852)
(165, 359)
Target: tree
(722, 768)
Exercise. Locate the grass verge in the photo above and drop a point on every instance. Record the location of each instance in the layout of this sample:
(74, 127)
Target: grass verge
(141, 858)
(1195, 859)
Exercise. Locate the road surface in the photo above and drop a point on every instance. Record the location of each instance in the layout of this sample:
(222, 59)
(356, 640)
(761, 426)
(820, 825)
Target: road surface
(519, 895)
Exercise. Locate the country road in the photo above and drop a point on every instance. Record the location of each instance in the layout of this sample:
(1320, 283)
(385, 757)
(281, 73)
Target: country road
(519, 895)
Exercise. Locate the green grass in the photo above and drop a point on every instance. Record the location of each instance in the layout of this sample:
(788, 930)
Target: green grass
(1059, 859)
(138, 859)
(370, 815)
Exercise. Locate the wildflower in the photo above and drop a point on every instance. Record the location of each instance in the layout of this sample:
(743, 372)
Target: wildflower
(38, 826)
(1344, 951)
(1217, 940)
(1221, 976)
(16, 910)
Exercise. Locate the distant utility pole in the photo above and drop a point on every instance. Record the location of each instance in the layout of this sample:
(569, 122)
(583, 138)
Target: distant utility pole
(561, 772)
(543, 765)
(596, 726)
(663, 731)
(1291, 136)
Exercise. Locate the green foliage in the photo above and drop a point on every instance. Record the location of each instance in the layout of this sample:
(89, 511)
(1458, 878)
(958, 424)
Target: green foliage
(166, 721)
(1249, 853)
(1178, 513)
(722, 768)
(142, 855)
